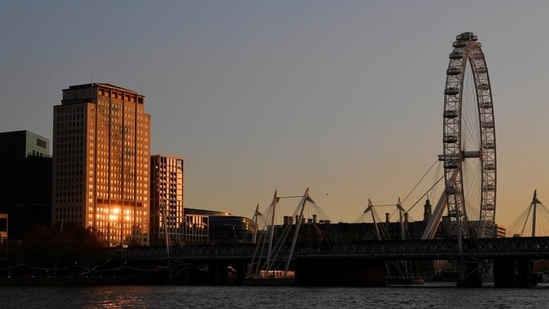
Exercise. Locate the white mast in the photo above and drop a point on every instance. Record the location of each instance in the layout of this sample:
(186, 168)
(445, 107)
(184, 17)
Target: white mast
(535, 203)
(401, 218)
(371, 209)
(271, 232)
(256, 215)
(297, 227)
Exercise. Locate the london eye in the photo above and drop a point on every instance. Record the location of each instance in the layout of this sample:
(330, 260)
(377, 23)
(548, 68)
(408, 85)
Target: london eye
(469, 142)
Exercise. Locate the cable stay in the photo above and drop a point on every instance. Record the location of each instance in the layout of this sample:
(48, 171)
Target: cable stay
(278, 242)
(533, 221)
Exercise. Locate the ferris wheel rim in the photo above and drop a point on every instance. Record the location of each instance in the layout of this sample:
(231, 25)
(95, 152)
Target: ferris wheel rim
(467, 50)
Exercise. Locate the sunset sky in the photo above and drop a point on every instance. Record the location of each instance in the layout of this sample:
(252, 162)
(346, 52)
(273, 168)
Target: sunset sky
(344, 97)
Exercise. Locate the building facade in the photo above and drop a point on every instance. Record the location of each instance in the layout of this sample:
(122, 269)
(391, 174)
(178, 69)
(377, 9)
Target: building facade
(196, 228)
(25, 180)
(101, 152)
(167, 191)
(217, 227)
(197, 224)
(21, 144)
(231, 230)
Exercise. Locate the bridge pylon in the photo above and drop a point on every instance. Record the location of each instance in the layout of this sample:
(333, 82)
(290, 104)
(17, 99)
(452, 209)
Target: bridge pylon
(532, 222)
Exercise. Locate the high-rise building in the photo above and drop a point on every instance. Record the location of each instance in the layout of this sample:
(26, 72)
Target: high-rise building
(25, 181)
(101, 149)
(167, 215)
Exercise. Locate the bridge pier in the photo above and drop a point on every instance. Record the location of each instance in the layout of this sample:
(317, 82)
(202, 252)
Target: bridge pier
(241, 270)
(471, 275)
(504, 273)
(524, 273)
(339, 272)
(218, 272)
(512, 272)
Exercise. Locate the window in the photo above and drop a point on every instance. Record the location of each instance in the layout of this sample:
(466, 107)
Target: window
(41, 143)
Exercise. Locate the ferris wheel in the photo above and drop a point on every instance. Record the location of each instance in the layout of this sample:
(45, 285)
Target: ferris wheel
(469, 139)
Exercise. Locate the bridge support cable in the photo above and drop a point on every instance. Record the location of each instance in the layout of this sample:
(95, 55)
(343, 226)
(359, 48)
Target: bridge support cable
(297, 228)
(381, 232)
(271, 229)
(532, 221)
(434, 221)
(420, 180)
(535, 203)
(279, 243)
(441, 205)
(425, 194)
(265, 241)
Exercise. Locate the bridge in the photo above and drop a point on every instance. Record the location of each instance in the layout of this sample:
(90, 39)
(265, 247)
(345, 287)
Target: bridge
(482, 249)
(322, 258)
(358, 263)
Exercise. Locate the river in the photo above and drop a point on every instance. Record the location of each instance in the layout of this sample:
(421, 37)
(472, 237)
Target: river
(427, 296)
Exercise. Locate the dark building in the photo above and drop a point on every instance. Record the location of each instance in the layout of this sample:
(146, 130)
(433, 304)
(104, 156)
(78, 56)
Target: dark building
(217, 227)
(231, 229)
(25, 181)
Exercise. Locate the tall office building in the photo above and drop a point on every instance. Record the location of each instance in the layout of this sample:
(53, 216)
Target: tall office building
(101, 142)
(167, 215)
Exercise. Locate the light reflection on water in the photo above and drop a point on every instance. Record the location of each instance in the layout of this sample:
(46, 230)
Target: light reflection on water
(428, 296)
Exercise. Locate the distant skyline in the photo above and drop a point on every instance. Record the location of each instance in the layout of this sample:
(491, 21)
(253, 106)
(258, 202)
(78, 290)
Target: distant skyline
(343, 97)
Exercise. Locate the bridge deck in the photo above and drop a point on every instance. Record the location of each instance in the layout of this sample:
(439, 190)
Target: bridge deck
(486, 248)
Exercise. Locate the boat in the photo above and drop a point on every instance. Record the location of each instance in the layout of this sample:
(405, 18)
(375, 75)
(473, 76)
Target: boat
(404, 274)
(271, 278)
(404, 280)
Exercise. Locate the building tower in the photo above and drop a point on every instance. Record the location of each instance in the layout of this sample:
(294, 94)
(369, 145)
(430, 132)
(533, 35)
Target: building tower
(101, 148)
(427, 211)
(167, 215)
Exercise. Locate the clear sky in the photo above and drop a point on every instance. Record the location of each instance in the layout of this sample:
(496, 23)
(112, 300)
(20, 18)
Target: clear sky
(344, 97)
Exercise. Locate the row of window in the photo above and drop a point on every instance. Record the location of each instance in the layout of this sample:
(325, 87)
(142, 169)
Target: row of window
(70, 110)
(109, 93)
(68, 173)
(68, 200)
(68, 217)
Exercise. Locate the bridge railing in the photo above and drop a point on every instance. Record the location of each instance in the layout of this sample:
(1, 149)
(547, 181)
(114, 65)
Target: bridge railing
(410, 249)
